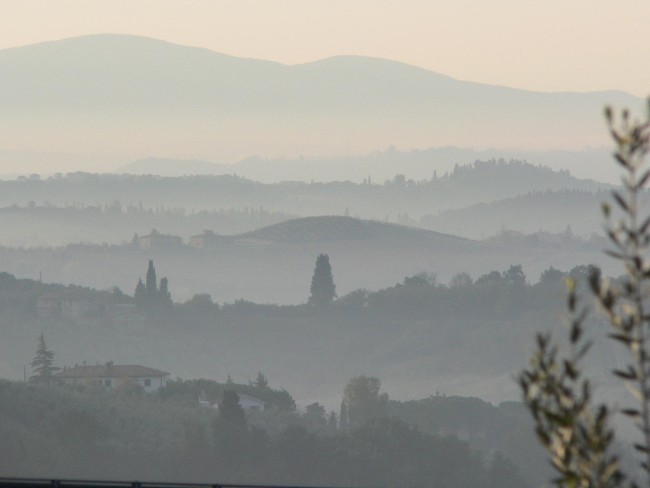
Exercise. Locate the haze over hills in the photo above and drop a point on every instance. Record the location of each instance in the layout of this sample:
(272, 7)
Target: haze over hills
(257, 228)
(274, 264)
(555, 211)
(482, 181)
(486, 196)
(95, 101)
(379, 165)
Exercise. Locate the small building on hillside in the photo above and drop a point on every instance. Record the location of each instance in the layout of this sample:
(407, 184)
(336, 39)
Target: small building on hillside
(209, 240)
(110, 376)
(156, 240)
(248, 402)
(67, 304)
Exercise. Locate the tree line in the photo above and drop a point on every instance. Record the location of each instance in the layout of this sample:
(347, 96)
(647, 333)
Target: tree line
(54, 431)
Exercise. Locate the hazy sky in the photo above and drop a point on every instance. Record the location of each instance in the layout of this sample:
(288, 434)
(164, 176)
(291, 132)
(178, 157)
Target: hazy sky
(546, 45)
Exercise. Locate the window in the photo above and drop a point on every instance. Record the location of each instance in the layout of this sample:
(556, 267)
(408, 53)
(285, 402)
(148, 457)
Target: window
(107, 383)
(147, 382)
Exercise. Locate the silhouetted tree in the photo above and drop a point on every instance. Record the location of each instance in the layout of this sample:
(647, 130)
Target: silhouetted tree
(363, 401)
(551, 277)
(514, 275)
(42, 363)
(230, 411)
(323, 290)
(231, 433)
(491, 278)
(165, 298)
(315, 414)
(149, 294)
(151, 282)
(261, 381)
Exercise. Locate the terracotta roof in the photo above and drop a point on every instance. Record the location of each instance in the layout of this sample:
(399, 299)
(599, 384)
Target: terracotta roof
(110, 371)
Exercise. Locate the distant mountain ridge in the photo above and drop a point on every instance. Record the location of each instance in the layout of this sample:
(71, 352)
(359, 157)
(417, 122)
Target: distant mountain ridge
(117, 96)
(379, 166)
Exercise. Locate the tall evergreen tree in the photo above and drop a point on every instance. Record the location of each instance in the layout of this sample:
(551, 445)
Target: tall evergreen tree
(42, 363)
(323, 290)
(230, 411)
(163, 293)
(261, 381)
(151, 282)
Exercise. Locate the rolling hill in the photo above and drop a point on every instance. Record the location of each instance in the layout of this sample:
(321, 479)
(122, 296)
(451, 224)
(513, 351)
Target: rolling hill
(336, 228)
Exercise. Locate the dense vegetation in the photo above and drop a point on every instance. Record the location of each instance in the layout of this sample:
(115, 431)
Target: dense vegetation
(53, 431)
(419, 325)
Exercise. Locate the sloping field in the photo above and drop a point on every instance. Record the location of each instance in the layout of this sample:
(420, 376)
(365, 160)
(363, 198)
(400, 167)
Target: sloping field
(336, 228)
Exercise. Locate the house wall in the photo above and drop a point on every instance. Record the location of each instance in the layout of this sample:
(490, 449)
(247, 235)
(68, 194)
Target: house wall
(148, 384)
(248, 403)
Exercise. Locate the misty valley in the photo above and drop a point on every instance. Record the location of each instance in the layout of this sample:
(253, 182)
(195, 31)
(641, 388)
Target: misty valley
(425, 322)
(220, 270)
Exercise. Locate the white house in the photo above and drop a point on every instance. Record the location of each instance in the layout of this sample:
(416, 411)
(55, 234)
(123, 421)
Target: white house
(111, 376)
(209, 240)
(248, 402)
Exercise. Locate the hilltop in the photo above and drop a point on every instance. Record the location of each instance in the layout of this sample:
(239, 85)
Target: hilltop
(335, 228)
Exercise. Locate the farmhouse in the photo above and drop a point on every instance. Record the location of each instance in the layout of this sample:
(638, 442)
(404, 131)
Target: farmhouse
(209, 240)
(156, 240)
(68, 304)
(248, 402)
(111, 376)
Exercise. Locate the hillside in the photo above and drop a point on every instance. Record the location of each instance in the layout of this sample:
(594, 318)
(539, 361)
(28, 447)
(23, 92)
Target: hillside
(130, 97)
(88, 433)
(336, 228)
(553, 211)
(419, 335)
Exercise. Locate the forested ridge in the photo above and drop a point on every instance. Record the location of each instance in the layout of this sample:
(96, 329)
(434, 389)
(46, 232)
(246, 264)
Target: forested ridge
(414, 325)
(464, 185)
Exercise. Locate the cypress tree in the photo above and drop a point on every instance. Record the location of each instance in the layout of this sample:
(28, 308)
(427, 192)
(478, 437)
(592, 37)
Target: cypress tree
(323, 290)
(230, 411)
(163, 292)
(151, 282)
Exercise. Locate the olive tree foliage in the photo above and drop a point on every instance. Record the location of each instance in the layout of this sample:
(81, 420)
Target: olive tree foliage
(575, 431)
(576, 434)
